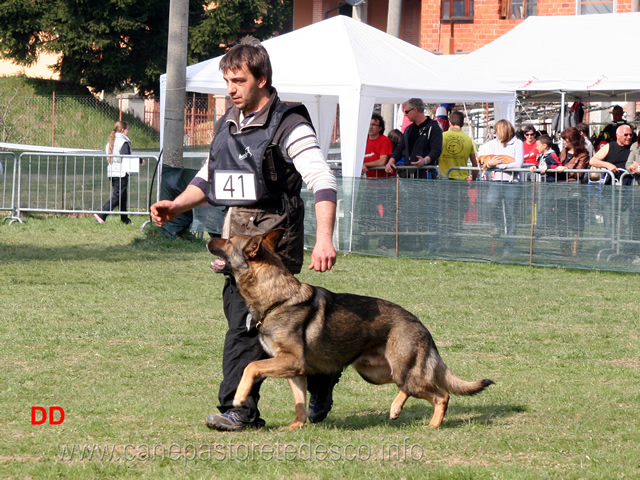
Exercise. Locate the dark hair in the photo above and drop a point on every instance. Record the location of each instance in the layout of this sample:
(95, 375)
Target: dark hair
(251, 53)
(456, 118)
(380, 120)
(396, 137)
(528, 128)
(574, 139)
(545, 140)
(583, 128)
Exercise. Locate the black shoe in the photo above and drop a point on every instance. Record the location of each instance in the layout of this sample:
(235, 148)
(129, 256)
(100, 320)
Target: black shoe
(126, 221)
(319, 407)
(232, 421)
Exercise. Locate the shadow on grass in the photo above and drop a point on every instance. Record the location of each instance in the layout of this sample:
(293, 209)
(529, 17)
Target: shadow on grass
(457, 416)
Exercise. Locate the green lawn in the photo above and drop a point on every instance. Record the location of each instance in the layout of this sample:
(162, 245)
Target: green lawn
(124, 331)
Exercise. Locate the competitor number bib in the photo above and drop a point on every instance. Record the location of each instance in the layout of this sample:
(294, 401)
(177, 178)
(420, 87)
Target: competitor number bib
(235, 185)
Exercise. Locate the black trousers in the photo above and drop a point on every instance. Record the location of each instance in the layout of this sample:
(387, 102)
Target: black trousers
(241, 347)
(118, 197)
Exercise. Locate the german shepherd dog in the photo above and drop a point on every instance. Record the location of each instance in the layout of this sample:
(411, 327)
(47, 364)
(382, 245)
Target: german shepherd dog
(310, 330)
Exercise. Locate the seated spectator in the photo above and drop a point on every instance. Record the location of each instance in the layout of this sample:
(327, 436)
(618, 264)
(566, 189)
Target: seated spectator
(633, 162)
(574, 156)
(378, 149)
(613, 156)
(530, 152)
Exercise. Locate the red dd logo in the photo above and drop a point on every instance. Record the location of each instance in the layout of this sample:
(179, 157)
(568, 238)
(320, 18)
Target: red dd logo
(42, 413)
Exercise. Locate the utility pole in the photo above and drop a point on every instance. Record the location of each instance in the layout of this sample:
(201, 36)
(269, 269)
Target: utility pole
(173, 147)
(394, 16)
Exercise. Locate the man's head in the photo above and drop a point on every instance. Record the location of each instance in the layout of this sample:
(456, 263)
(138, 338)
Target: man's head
(376, 126)
(414, 110)
(623, 135)
(616, 113)
(583, 128)
(456, 119)
(247, 71)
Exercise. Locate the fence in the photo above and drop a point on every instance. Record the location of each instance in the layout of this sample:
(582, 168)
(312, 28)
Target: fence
(8, 171)
(78, 184)
(591, 226)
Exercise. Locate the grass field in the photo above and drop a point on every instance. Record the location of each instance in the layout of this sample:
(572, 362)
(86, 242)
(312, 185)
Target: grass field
(124, 331)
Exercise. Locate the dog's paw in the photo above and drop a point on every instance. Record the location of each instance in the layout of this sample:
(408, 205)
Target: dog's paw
(294, 426)
(394, 414)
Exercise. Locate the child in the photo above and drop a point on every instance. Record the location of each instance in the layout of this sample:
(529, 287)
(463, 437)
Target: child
(547, 158)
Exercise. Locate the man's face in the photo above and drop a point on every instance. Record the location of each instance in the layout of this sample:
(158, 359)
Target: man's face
(374, 128)
(616, 114)
(623, 136)
(244, 88)
(411, 113)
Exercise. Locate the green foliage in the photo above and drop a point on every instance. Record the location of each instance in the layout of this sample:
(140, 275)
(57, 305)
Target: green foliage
(125, 332)
(122, 43)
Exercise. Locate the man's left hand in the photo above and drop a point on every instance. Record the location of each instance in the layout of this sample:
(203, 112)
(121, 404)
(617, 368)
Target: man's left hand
(323, 257)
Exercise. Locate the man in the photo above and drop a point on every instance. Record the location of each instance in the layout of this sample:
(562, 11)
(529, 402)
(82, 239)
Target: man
(613, 156)
(583, 128)
(457, 149)
(608, 133)
(378, 148)
(423, 140)
(262, 151)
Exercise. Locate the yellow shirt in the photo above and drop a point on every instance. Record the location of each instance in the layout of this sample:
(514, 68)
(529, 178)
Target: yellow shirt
(457, 147)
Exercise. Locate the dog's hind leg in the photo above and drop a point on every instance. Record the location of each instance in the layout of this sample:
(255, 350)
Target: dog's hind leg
(299, 390)
(398, 403)
(440, 401)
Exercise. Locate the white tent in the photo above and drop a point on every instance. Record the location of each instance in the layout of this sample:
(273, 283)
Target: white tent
(342, 61)
(586, 57)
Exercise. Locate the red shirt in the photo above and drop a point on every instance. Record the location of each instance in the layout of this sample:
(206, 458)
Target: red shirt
(530, 153)
(376, 148)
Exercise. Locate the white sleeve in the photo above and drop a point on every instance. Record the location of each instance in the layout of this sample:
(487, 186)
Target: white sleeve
(302, 147)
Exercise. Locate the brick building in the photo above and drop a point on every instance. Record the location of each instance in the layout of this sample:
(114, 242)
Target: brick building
(454, 26)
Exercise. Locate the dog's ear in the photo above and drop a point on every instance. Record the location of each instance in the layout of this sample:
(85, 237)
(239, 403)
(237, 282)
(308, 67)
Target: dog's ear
(253, 247)
(272, 238)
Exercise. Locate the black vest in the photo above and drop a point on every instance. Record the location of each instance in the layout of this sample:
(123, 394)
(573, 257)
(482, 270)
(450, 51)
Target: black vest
(246, 167)
(618, 155)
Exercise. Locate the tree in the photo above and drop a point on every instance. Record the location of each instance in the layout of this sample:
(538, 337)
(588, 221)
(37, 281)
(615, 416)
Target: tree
(113, 45)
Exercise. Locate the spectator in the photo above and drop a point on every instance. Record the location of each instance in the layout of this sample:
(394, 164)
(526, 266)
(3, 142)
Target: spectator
(508, 152)
(583, 128)
(574, 156)
(378, 149)
(118, 143)
(609, 132)
(530, 152)
(633, 161)
(457, 150)
(396, 138)
(547, 158)
(613, 156)
(423, 140)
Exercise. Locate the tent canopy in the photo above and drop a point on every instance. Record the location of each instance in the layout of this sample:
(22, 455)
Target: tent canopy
(582, 62)
(346, 62)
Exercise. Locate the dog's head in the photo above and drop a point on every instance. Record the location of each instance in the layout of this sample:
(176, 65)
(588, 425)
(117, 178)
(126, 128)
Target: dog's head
(235, 253)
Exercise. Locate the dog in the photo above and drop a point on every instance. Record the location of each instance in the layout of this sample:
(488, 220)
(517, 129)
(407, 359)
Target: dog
(310, 330)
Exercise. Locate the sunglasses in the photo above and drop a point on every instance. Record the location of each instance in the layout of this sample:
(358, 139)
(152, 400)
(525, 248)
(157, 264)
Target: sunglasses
(529, 134)
(408, 110)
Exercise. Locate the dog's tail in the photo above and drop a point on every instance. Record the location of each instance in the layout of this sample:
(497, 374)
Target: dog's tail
(448, 381)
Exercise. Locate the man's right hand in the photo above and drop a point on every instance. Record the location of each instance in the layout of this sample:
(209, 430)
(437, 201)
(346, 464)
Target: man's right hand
(391, 166)
(163, 211)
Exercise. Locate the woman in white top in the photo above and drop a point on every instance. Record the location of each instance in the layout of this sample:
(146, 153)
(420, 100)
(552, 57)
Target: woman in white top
(119, 143)
(508, 153)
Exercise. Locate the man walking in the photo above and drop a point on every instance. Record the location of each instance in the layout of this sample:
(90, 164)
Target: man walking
(261, 153)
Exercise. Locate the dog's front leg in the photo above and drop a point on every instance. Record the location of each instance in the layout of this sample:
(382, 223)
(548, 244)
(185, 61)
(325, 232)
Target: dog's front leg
(299, 390)
(282, 366)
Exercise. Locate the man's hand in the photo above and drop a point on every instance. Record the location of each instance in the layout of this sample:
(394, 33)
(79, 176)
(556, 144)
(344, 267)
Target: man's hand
(391, 166)
(163, 211)
(323, 256)
(421, 162)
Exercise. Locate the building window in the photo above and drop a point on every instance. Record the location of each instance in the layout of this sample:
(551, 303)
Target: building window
(517, 9)
(587, 7)
(457, 10)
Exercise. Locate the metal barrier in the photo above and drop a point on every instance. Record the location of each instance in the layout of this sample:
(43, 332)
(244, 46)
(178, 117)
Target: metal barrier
(78, 183)
(8, 173)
